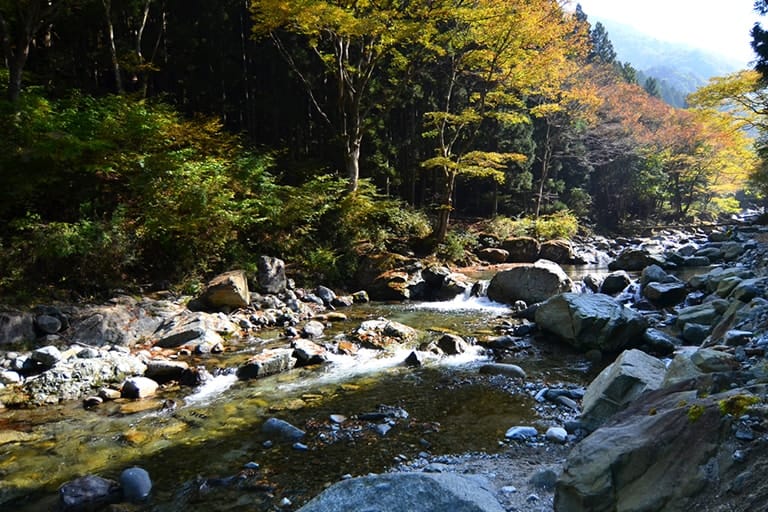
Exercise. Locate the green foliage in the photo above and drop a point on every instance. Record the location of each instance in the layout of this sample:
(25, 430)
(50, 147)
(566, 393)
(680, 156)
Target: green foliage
(562, 224)
(737, 405)
(457, 245)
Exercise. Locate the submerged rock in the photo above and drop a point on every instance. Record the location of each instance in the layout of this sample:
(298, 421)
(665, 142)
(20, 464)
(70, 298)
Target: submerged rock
(89, 492)
(136, 484)
(282, 429)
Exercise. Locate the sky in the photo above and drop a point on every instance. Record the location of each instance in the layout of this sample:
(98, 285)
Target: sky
(718, 26)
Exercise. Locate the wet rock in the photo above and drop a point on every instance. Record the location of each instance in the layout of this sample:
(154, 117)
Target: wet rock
(313, 329)
(521, 433)
(268, 362)
(197, 331)
(509, 370)
(633, 259)
(227, 290)
(136, 484)
(343, 301)
(591, 321)
(694, 333)
(361, 297)
(164, 370)
(592, 282)
(522, 249)
(529, 283)
(658, 342)
(88, 493)
(615, 282)
(407, 491)
(452, 344)
(414, 360)
(559, 251)
(326, 294)
(655, 274)
(664, 295)
(381, 333)
(139, 387)
(282, 430)
(47, 356)
(308, 352)
(271, 275)
(632, 374)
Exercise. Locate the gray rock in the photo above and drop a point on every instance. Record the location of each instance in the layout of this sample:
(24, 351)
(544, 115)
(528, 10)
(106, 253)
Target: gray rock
(658, 342)
(89, 492)
(139, 387)
(737, 338)
(381, 333)
(282, 430)
(557, 435)
(659, 454)
(634, 259)
(591, 321)
(268, 362)
(326, 294)
(529, 283)
(521, 433)
(48, 324)
(493, 254)
(695, 333)
(136, 484)
(313, 329)
(227, 290)
(10, 377)
(559, 251)
(407, 491)
(196, 331)
(618, 385)
(544, 479)
(16, 326)
(727, 285)
(271, 275)
(164, 370)
(664, 295)
(510, 370)
(308, 352)
(452, 345)
(361, 297)
(615, 282)
(690, 363)
(522, 249)
(47, 356)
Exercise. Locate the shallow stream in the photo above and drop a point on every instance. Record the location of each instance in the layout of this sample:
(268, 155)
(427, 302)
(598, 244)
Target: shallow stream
(206, 450)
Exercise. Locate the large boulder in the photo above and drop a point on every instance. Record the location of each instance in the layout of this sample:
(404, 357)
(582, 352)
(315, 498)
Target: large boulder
(591, 321)
(407, 491)
(382, 333)
(196, 331)
(559, 251)
(122, 321)
(227, 290)
(692, 362)
(271, 275)
(615, 282)
(16, 326)
(632, 374)
(267, 362)
(634, 259)
(663, 295)
(659, 454)
(522, 249)
(530, 283)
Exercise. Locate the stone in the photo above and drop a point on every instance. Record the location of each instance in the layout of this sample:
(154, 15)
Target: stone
(530, 283)
(557, 435)
(407, 491)
(414, 360)
(559, 251)
(271, 275)
(737, 338)
(308, 352)
(165, 370)
(615, 282)
(655, 274)
(381, 333)
(9, 377)
(633, 259)
(227, 290)
(139, 387)
(136, 484)
(326, 294)
(694, 333)
(591, 321)
(493, 254)
(47, 324)
(268, 362)
(88, 492)
(196, 331)
(658, 342)
(661, 453)
(47, 356)
(521, 433)
(361, 297)
(522, 249)
(313, 329)
(509, 370)
(663, 295)
(282, 430)
(452, 345)
(632, 374)
(705, 314)
(727, 285)
(16, 326)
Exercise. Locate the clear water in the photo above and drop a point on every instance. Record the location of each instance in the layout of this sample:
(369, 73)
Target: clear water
(192, 450)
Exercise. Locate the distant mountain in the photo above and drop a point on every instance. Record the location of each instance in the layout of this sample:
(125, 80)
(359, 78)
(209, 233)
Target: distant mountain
(679, 69)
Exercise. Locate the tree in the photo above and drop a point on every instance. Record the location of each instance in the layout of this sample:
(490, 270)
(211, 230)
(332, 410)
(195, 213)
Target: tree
(350, 40)
(20, 23)
(494, 55)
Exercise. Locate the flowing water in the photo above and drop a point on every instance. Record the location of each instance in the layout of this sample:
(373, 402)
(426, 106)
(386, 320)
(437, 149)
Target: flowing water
(205, 450)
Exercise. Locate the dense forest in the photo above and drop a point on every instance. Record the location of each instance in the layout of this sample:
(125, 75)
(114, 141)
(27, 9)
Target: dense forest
(147, 140)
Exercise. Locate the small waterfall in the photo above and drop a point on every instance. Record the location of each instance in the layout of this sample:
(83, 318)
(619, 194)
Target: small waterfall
(211, 389)
(473, 298)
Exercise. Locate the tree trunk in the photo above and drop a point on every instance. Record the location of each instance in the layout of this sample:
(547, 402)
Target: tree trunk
(112, 48)
(16, 66)
(446, 205)
(352, 164)
(545, 162)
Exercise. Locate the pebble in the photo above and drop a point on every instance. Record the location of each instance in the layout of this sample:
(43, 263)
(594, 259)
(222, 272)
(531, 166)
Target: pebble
(521, 433)
(300, 447)
(557, 435)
